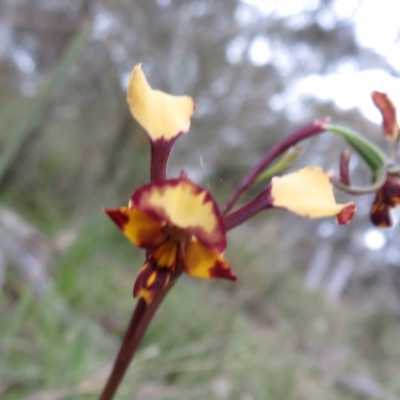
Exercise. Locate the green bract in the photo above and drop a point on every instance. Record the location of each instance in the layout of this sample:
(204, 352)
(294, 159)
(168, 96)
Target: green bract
(371, 154)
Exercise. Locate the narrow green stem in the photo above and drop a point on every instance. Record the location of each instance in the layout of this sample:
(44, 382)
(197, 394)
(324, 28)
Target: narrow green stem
(379, 181)
(141, 318)
(283, 163)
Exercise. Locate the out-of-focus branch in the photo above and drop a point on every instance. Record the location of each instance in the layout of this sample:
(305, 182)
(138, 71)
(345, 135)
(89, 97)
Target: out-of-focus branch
(9, 154)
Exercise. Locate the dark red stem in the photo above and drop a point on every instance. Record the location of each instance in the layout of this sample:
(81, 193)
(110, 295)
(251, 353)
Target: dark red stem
(140, 320)
(315, 128)
(344, 166)
(160, 150)
(261, 202)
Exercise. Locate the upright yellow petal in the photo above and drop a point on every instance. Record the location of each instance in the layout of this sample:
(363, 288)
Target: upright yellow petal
(161, 115)
(308, 192)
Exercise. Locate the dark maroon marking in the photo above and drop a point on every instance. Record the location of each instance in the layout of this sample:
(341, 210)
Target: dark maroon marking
(153, 260)
(219, 270)
(380, 216)
(163, 276)
(344, 166)
(387, 197)
(346, 215)
(117, 216)
(160, 150)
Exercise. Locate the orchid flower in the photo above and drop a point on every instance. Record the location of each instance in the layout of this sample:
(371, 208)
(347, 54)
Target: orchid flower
(179, 223)
(181, 227)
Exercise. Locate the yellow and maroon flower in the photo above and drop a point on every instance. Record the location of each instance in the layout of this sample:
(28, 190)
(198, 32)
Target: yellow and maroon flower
(180, 226)
(388, 196)
(307, 192)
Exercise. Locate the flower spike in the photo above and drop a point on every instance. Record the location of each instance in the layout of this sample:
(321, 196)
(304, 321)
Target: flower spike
(308, 192)
(180, 225)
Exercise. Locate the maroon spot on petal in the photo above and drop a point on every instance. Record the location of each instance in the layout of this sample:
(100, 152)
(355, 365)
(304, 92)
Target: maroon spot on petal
(380, 212)
(346, 215)
(344, 166)
(221, 270)
(390, 191)
(152, 279)
(119, 218)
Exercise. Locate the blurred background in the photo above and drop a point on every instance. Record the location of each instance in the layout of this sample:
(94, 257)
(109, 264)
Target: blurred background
(316, 312)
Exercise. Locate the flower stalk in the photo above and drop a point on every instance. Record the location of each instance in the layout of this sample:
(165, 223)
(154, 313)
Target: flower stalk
(140, 320)
(242, 214)
(344, 172)
(179, 224)
(159, 159)
(313, 129)
(371, 154)
(379, 179)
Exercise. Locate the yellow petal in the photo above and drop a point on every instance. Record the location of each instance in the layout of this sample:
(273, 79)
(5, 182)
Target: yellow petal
(165, 255)
(308, 192)
(185, 205)
(203, 262)
(161, 115)
(138, 227)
